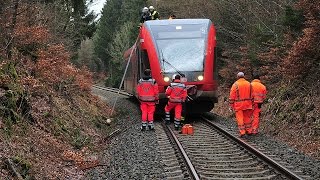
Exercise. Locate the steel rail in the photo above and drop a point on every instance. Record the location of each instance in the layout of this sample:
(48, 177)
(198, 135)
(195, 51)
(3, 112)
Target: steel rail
(190, 166)
(114, 90)
(281, 169)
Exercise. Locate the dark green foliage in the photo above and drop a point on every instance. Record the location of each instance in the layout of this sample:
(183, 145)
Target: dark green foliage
(90, 26)
(23, 167)
(71, 22)
(86, 57)
(116, 32)
(79, 7)
(293, 18)
(79, 140)
(262, 34)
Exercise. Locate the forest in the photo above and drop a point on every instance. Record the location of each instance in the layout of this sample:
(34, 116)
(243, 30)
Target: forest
(53, 51)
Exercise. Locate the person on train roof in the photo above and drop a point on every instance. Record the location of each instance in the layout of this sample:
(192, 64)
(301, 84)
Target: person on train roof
(145, 16)
(172, 16)
(154, 14)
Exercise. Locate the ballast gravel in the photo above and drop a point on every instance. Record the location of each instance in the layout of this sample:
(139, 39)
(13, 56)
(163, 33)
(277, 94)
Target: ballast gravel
(303, 165)
(132, 154)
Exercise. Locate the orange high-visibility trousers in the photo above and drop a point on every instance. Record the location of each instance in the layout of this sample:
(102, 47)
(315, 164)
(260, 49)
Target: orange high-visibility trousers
(177, 109)
(255, 121)
(244, 121)
(147, 109)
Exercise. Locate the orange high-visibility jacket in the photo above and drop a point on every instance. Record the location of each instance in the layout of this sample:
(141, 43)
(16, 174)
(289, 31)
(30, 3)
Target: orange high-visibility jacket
(241, 95)
(148, 90)
(259, 91)
(177, 92)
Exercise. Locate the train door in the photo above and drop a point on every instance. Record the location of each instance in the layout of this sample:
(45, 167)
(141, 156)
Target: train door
(143, 62)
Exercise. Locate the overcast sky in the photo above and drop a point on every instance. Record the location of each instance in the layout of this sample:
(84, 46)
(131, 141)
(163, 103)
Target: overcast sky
(96, 6)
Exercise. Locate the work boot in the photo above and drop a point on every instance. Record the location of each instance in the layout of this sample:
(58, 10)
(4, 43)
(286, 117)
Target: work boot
(144, 126)
(176, 124)
(182, 120)
(167, 118)
(177, 128)
(151, 126)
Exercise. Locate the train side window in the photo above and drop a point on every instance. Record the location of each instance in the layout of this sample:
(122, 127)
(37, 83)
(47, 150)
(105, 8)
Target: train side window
(215, 64)
(138, 65)
(145, 64)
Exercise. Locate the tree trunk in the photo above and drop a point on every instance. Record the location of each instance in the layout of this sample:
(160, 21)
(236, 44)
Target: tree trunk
(11, 30)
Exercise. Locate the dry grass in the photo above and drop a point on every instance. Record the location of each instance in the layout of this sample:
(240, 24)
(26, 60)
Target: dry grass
(64, 140)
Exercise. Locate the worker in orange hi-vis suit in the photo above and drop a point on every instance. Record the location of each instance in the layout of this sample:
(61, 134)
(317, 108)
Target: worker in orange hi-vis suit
(259, 92)
(241, 102)
(148, 94)
(177, 94)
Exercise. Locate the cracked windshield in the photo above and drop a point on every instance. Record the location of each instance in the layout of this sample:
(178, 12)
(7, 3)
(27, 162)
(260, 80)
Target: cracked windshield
(181, 43)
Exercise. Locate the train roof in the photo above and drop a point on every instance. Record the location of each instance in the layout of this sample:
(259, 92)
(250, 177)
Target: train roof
(177, 21)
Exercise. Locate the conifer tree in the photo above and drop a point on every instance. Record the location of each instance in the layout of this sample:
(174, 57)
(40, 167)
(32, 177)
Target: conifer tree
(116, 16)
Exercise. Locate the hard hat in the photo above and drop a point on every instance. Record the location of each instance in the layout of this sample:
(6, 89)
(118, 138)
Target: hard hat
(151, 8)
(173, 76)
(145, 9)
(240, 74)
(147, 72)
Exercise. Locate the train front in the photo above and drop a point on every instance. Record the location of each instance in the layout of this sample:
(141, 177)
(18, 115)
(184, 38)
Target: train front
(185, 47)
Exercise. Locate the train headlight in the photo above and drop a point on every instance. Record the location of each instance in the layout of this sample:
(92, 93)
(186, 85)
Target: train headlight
(166, 79)
(200, 78)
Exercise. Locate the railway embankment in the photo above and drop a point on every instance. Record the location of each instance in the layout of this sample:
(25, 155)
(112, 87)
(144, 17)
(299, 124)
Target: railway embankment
(62, 140)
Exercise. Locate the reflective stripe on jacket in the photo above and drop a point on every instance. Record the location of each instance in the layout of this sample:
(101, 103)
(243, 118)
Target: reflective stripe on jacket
(155, 15)
(241, 95)
(147, 90)
(259, 91)
(177, 92)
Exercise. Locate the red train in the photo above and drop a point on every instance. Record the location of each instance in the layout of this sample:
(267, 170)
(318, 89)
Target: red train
(180, 46)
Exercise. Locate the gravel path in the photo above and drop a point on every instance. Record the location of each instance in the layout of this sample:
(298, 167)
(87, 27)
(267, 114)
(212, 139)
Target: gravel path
(132, 154)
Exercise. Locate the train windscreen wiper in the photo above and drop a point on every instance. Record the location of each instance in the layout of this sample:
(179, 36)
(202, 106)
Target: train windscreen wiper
(165, 61)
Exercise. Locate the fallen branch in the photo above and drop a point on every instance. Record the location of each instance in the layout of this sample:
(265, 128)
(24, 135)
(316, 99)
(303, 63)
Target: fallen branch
(117, 131)
(13, 169)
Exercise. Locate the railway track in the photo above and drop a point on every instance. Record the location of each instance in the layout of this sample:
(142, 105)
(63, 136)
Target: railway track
(212, 153)
(113, 90)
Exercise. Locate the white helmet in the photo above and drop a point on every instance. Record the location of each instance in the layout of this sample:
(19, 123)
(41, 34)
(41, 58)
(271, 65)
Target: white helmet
(173, 76)
(176, 76)
(151, 8)
(145, 9)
